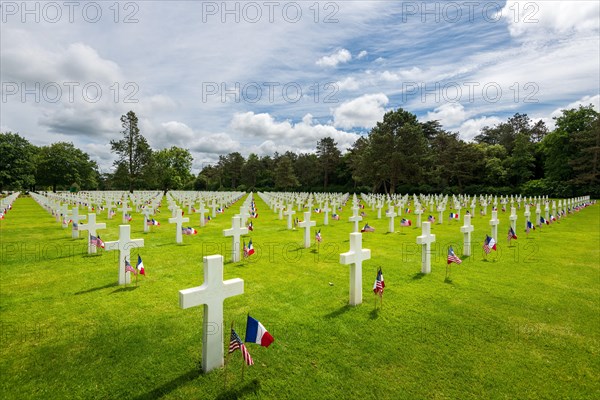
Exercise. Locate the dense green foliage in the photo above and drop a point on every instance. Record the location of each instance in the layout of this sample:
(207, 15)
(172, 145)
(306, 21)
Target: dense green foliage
(399, 155)
(403, 155)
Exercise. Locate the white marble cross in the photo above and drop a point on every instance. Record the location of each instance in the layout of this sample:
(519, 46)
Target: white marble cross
(326, 210)
(466, 229)
(379, 207)
(179, 220)
(214, 206)
(538, 214)
(124, 208)
(148, 211)
(425, 241)
(64, 211)
(355, 257)
(441, 210)
(124, 245)
(76, 218)
(494, 224)
(174, 210)
(418, 213)
(91, 227)
(202, 210)
(513, 219)
(109, 209)
(306, 224)
(288, 213)
(212, 294)
(236, 231)
(355, 218)
(391, 214)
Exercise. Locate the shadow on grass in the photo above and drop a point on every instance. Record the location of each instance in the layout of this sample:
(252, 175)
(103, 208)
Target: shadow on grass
(92, 255)
(171, 385)
(237, 393)
(374, 314)
(448, 280)
(339, 311)
(124, 289)
(418, 275)
(96, 288)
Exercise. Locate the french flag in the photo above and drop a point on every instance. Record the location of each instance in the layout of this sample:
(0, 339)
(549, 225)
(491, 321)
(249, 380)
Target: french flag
(256, 333)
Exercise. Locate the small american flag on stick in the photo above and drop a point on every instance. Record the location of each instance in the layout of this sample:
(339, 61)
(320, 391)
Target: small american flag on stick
(236, 343)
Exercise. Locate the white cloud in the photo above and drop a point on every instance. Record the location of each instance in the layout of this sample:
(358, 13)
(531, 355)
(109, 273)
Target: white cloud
(472, 127)
(285, 135)
(362, 112)
(362, 54)
(538, 20)
(216, 143)
(341, 56)
(348, 83)
(450, 115)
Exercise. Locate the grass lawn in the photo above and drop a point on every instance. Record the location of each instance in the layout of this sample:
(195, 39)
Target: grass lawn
(523, 324)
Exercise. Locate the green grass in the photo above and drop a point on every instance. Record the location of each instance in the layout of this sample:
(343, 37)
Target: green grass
(524, 324)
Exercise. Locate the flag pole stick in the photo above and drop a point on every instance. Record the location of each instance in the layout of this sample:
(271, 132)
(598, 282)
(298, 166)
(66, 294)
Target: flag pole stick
(226, 363)
(243, 367)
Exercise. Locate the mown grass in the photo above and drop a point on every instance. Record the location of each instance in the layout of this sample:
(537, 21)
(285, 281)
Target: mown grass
(523, 324)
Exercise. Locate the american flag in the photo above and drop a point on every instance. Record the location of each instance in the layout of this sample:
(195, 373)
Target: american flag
(367, 228)
(379, 284)
(129, 268)
(453, 258)
(489, 244)
(431, 219)
(236, 343)
(318, 237)
(511, 234)
(335, 217)
(250, 226)
(405, 222)
(96, 241)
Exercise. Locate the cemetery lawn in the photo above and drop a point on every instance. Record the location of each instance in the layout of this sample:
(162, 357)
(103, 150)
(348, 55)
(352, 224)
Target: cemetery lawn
(523, 324)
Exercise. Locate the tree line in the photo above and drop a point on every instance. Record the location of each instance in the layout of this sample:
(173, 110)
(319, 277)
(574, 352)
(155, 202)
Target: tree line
(399, 155)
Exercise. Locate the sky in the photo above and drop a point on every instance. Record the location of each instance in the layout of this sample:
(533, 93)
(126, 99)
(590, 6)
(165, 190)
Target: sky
(266, 76)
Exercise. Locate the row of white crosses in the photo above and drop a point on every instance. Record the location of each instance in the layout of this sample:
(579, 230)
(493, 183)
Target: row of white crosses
(327, 202)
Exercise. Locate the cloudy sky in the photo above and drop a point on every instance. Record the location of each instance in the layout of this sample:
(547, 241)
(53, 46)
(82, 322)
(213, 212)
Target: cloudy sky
(217, 77)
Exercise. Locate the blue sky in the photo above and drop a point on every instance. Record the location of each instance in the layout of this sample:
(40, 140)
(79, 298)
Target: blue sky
(262, 77)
